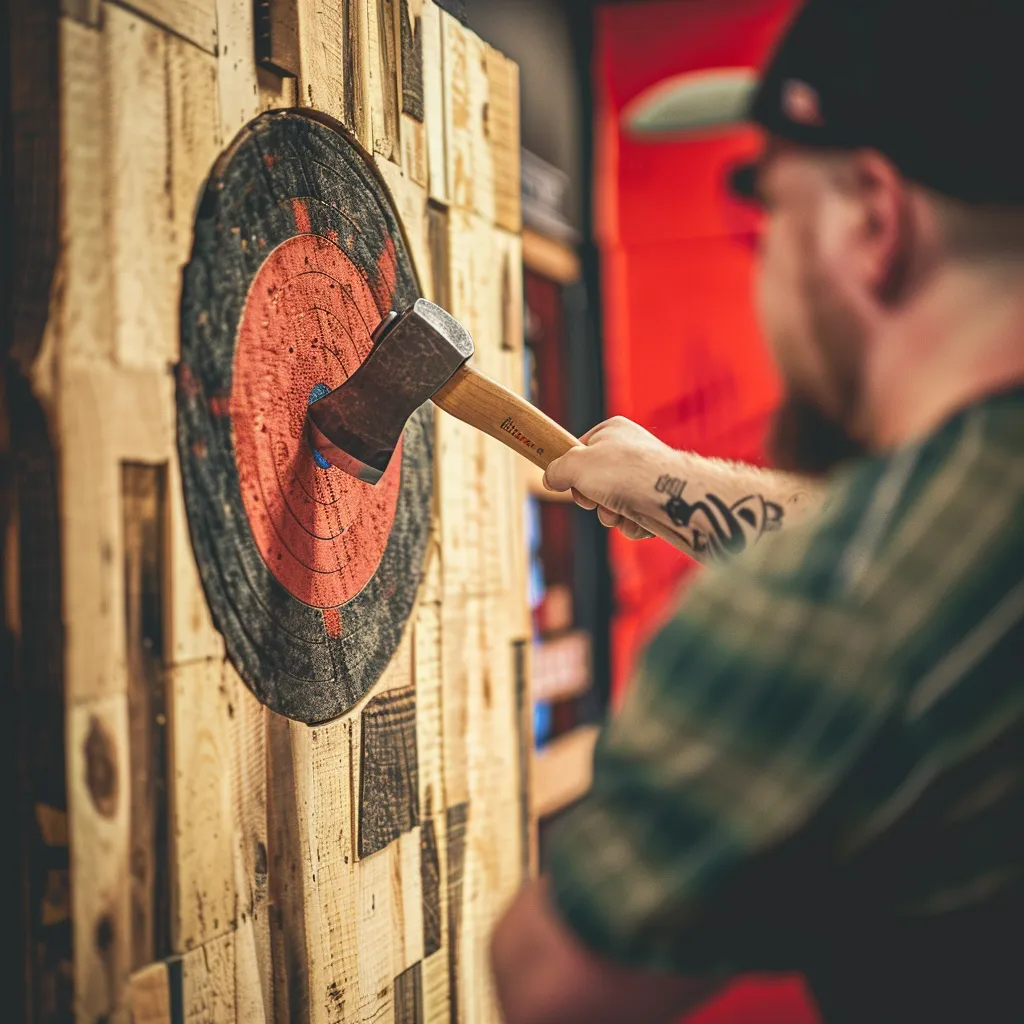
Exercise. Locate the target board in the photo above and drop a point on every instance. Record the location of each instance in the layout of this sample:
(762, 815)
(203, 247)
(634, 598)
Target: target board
(310, 574)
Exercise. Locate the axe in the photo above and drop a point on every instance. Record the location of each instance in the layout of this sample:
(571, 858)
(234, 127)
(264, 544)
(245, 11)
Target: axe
(420, 355)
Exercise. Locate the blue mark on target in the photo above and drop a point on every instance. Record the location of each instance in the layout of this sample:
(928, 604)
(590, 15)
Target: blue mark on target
(319, 390)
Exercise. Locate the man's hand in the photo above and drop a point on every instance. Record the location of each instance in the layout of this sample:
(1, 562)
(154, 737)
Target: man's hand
(613, 474)
(708, 508)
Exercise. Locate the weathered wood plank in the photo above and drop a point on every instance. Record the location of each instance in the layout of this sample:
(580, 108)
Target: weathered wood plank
(277, 36)
(410, 203)
(276, 93)
(85, 301)
(409, 996)
(194, 20)
(389, 784)
(99, 826)
(411, 31)
(142, 192)
(384, 72)
(202, 705)
(143, 500)
(236, 84)
(501, 129)
(322, 58)
(149, 995)
(434, 105)
(208, 983)
(457, 817)
(357, 92)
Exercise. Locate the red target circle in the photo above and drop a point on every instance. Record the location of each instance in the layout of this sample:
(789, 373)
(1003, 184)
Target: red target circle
(307, 321)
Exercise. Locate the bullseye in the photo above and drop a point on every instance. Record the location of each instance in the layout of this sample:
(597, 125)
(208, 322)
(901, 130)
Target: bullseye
(307, 324)
(319, 391)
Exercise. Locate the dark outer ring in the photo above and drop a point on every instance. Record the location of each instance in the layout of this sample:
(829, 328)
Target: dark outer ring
(278, 644)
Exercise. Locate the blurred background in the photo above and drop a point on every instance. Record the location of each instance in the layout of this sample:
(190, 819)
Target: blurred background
(638, 302)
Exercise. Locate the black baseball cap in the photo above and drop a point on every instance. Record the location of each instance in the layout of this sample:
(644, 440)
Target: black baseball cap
(935, 85)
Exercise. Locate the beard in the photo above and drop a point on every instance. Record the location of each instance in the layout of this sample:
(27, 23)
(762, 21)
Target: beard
(806, 437)
(804, 440)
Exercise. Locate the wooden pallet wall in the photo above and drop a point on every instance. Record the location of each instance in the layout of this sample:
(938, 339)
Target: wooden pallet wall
(215, 863)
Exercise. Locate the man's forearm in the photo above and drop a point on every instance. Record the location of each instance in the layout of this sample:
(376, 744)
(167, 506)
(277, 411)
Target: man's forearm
(718, 509)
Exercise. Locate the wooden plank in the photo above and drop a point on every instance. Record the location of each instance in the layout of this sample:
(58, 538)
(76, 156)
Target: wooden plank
(384, 71)
(430, 882)
(194, 20)
(524, 714)
(99, 826)
(143, 500)
(236, 84)
(457, 46)
(322, 57)
(357, 92)
(192, 635)
(550, 258)
(411, 31)
(85, 301)
(203, 815)
(250, 983)
(290, 813)
(502, 132)
(434, 102)
(389, 784)
(410, 202)
(85, 11)
(277, 36)
(108, 416)
(208, 983)
(409, 996)
(407, 901)
(149, 995)
(457, 817)
(142, 216)
(276, 93)
(563, 769)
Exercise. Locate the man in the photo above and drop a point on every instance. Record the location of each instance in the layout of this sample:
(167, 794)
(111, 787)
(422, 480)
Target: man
(820, 766)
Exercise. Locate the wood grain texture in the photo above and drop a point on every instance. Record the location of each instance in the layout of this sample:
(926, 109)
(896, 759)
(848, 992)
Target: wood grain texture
(357, 89)
(501, 129)
(85, 303)
(141, 192)
(208, 993)
(389, 783)
(149, 995)
(434, 106)
(277, 35)
(384, 79)
(202, 708)
(99, 830)
(236, 78)
(456, 820)
(143, 500)
(193, 20)
(322, 57)
(409, 996)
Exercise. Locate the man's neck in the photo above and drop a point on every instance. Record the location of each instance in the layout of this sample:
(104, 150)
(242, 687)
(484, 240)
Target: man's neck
(961, 340)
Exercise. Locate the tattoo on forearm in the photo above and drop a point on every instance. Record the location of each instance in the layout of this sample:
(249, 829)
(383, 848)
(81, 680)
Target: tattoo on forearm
(712, 528)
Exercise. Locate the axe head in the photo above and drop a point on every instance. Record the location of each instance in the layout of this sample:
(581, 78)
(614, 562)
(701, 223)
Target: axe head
(357, 426)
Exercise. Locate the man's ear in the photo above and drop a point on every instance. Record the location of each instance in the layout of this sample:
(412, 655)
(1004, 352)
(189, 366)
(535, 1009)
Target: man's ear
(887, 225)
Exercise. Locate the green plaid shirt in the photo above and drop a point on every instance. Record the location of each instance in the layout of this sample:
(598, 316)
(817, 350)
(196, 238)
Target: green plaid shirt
(820, 764)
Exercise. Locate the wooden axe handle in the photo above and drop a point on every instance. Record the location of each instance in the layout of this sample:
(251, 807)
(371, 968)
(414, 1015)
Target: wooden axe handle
(476, 399)
(482, 402)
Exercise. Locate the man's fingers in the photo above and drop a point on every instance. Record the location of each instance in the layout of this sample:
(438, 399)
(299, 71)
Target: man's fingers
(633, 531)
(582, 500)
(608, 517)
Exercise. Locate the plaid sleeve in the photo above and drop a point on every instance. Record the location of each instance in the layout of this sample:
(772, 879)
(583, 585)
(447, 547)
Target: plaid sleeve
(749, 708)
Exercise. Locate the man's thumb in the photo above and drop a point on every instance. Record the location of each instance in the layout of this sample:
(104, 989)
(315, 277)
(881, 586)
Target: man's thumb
(560, 474)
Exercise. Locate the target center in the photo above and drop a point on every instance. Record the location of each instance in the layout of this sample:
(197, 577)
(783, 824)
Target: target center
(318, 391)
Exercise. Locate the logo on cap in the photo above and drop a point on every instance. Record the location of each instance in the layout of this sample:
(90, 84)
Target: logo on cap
(801, 104)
